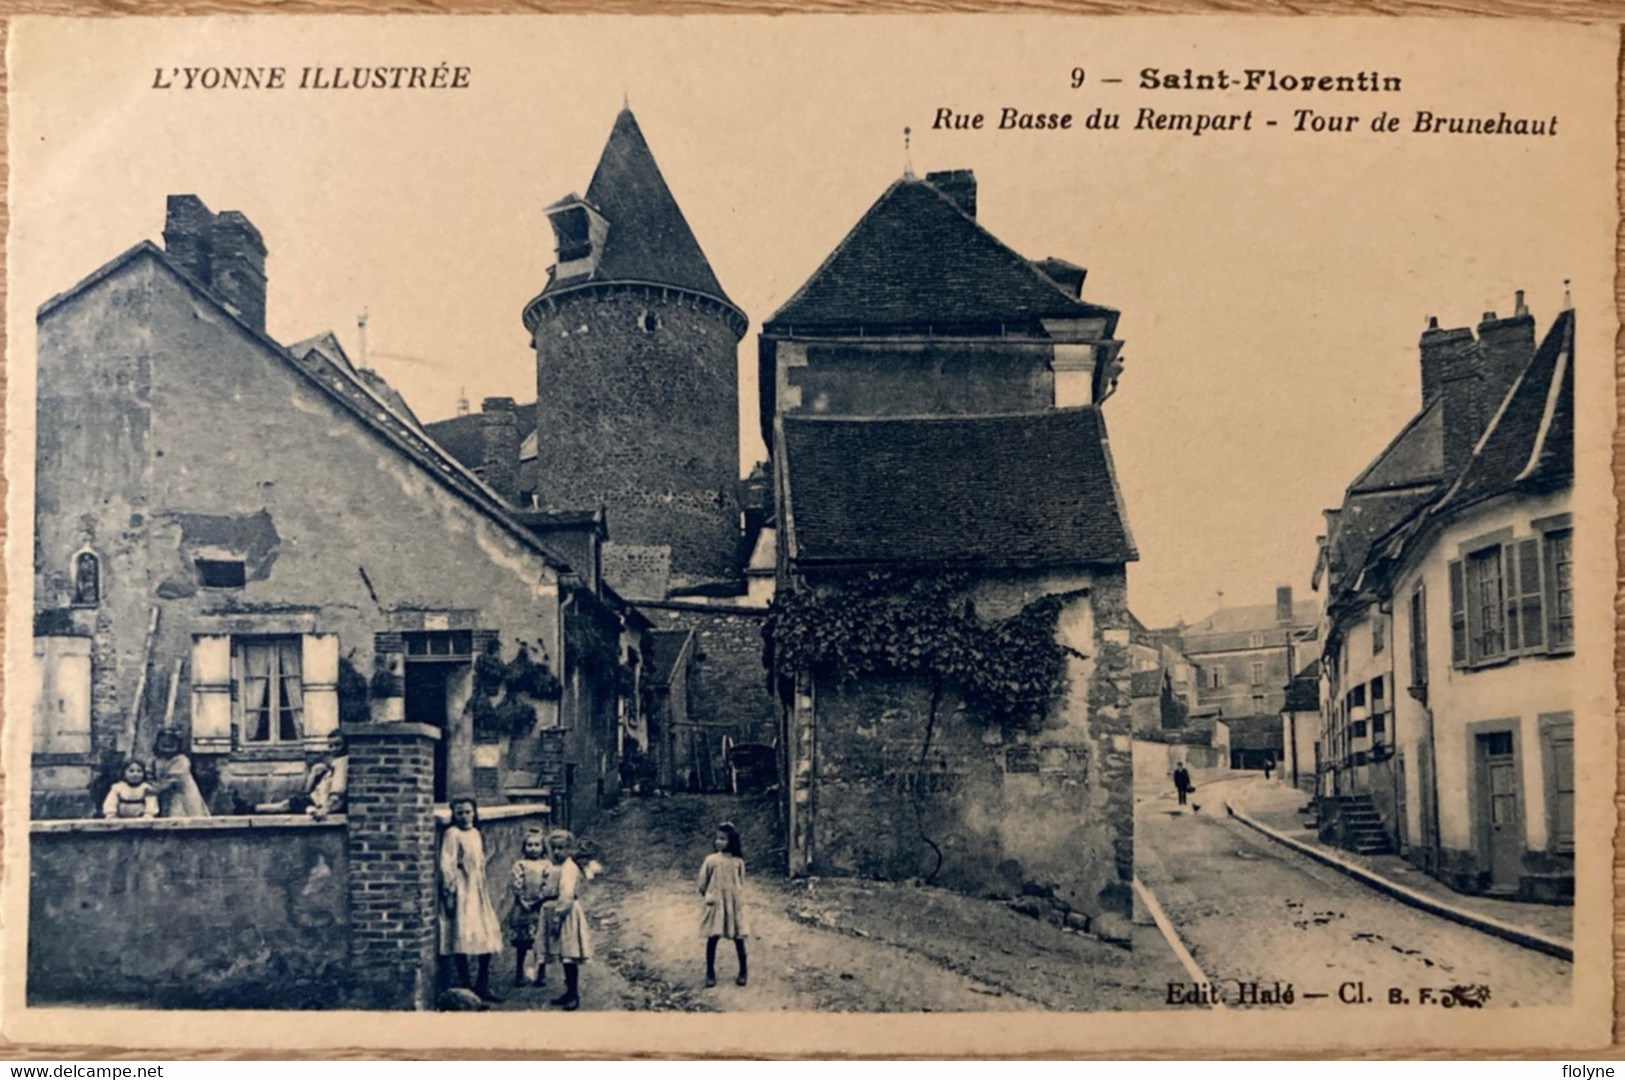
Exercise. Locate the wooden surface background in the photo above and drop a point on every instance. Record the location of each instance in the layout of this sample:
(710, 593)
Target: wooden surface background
(1578, 11)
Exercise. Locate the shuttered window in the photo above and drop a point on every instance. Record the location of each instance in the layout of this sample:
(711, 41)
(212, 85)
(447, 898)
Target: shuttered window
(1419, 637)
(1560, 587)
(62, 707)
(1458, 613)
(1557, 735)
(1530, 598)
(211, 693)
(1486, 598)
(263, 692)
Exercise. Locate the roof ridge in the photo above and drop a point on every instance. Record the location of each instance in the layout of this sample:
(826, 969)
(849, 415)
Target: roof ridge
(1025, 262)
(839, 247)
(284, 354)
(1565, 354)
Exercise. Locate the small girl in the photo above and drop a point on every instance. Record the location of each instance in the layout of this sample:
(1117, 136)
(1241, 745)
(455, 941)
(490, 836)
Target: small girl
(175, 784)
(564, 918)
(131, 797)
(468, 922)
(722, 883)
(532, 874)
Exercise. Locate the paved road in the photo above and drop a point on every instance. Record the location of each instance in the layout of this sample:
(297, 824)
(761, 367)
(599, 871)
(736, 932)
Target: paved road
(1250, 910)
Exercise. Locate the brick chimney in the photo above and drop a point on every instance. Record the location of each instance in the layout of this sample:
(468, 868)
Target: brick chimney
(223, 252)
(959, 185)
(1283, 605)
(1507, 345)
(499, 447)
(1452, 369)
(237, 267)
(188, 232)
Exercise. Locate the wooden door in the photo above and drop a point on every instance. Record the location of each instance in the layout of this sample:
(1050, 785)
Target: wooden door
(1500, 814)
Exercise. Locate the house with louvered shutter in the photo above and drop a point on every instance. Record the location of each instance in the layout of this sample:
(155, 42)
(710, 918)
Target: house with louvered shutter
(1447, 708)
(248, 544)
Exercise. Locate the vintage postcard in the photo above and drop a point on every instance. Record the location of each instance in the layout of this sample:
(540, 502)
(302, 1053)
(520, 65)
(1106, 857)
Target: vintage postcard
(547, 532)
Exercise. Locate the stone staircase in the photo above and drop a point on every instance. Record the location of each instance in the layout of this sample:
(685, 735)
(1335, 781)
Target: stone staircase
(1360, 827)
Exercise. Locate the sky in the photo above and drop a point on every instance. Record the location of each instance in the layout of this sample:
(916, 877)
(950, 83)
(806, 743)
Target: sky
(1272, 284)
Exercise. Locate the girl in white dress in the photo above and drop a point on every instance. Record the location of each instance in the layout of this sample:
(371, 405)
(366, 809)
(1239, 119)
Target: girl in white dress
(468, 922)
(563, 917)
(722, 883)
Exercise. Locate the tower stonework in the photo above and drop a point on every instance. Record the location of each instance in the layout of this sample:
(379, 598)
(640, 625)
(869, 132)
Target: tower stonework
(636, 369)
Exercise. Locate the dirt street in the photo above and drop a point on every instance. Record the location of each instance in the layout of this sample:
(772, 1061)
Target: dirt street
(1250, 909)
(825, 944)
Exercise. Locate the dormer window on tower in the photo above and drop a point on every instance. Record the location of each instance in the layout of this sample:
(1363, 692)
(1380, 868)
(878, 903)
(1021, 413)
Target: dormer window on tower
(578, 231)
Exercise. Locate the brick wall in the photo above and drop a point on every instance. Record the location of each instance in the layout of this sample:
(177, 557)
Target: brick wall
(390, 841)
(643, 423)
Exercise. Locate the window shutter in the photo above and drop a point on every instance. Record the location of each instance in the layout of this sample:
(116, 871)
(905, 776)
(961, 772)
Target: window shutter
(1509, 596)
(1458, 614)
(321, 686)
(1531, 600)
(211, 694)
(62, 709)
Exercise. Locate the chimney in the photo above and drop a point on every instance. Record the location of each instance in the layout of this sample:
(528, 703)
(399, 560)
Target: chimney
(188, 233)
(1452, 370)
(237, 267)
(1283, 605)
(959, 185)
(499, 447)
(1508, 345)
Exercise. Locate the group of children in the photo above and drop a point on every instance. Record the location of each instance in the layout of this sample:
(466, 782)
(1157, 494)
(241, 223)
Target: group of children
(171, 792)
(548, 916)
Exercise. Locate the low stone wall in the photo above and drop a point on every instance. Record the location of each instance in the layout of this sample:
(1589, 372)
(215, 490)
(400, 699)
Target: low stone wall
(217, 913)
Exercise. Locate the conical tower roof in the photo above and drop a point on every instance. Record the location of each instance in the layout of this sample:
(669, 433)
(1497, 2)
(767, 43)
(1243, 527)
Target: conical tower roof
(648, 239)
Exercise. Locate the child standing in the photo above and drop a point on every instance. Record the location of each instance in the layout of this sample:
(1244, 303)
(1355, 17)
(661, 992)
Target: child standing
(131, 797)
(722, 883)
(565, 920)
(532, 874)
(175, 784)
(468, 922)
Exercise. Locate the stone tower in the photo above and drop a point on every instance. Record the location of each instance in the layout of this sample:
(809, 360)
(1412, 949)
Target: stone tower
(637, 373)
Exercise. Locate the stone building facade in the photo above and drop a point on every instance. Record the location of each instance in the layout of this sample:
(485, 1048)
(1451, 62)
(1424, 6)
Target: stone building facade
(267, 550)
(637, 369)
(932, 401)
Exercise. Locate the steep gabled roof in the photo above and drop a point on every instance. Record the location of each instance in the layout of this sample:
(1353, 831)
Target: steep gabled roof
(337, 378)
(460, 435)
(1414, 457)
(649, 238)
(916, 258)
(1014, 491)
(1529, 445)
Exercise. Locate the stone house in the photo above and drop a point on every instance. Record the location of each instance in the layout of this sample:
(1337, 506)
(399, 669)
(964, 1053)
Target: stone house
(637, 417)
(1244, 654)
(1469, 593)
(267, 547)
(950, 635)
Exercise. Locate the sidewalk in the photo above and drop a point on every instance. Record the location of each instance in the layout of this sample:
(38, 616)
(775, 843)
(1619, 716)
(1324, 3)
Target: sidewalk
(1277, 805)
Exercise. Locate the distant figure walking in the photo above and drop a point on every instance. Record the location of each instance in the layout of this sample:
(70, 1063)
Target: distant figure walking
(722, 883)
(1182, 782)
(1269, 763)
